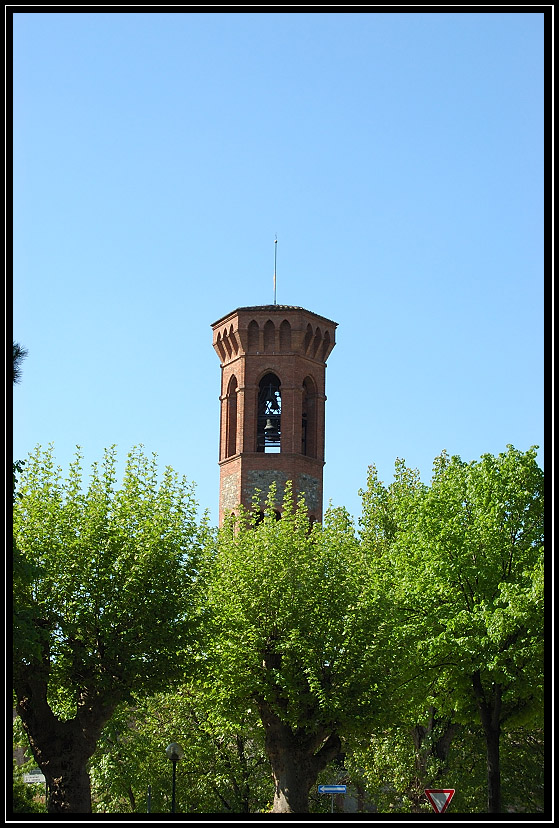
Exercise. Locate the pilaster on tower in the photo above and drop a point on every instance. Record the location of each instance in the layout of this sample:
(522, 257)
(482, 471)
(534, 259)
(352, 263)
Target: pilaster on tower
(273, 372)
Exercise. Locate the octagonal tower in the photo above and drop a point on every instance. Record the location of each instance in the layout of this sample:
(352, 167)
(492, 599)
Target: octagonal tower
(273, 372)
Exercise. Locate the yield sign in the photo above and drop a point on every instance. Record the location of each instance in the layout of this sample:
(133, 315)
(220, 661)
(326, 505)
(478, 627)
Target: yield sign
(440, 799)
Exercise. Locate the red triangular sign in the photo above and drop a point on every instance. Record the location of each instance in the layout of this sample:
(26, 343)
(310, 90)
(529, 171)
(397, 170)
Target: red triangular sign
(440, 799)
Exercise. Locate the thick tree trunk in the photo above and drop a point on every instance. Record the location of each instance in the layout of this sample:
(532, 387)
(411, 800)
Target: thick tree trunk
(61, 748)
(296, 759)
(68, 783)
(490, 715)
(292, 782)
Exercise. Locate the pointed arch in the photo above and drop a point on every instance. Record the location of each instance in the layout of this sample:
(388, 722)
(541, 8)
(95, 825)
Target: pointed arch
(231, 418)
(268, 429)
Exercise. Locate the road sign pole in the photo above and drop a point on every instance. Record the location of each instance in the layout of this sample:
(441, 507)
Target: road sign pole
(332, 803)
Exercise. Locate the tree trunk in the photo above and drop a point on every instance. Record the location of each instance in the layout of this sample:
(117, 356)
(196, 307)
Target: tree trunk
(67, 782)
(296, 759)
(490, 715)
(493, 772)
(61, 748)
(438, 746)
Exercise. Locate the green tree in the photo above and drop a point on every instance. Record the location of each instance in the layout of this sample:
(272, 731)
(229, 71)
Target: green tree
(108, 607)
(19, 355)
(22, 571)
(224, 768)
(297, 628)
(466, 563)
(386, 763)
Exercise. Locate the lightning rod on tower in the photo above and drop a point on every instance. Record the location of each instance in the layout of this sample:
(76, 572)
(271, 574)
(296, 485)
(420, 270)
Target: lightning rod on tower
(275, 262)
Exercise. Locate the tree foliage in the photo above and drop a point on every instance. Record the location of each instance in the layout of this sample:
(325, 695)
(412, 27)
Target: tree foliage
(19, 354)
(386, 766)
(296, 627)
(280, 654)
(109, 604)
(466, 575)
(224, 768)
(26, 796)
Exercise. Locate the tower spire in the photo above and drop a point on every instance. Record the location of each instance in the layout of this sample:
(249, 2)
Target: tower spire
(275, 262)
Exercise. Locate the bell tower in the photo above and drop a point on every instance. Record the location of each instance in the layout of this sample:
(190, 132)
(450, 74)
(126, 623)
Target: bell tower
(273, 372)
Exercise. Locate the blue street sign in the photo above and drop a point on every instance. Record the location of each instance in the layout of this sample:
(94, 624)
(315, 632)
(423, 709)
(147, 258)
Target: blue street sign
(331, 789)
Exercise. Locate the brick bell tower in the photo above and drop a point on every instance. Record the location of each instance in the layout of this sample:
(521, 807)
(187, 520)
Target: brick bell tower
(273, 367)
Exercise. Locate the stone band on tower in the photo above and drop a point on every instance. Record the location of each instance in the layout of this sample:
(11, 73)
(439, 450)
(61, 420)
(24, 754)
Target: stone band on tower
(273, 372)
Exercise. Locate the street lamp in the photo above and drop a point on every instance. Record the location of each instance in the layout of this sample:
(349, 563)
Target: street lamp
(174, 752)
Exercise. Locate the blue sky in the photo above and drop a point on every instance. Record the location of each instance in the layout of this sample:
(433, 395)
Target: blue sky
(397, 156)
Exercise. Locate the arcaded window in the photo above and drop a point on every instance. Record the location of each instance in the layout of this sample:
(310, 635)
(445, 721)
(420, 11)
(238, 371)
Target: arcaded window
(268, 438)
(231, 423)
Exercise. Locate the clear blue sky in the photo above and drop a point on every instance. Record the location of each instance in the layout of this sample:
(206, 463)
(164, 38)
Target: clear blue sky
(397, 156)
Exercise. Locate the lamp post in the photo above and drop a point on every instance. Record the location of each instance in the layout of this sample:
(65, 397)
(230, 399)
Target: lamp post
(174, 752)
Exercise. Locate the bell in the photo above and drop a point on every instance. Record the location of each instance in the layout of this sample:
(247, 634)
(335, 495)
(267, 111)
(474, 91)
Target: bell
(269, 427)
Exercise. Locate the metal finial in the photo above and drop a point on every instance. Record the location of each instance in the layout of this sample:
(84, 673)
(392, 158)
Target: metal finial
(275, 262)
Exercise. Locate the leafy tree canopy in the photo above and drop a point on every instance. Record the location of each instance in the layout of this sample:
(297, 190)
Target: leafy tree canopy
(105, 605)
(297, 626)
(296, 619)
(114, 573)
(463, 560)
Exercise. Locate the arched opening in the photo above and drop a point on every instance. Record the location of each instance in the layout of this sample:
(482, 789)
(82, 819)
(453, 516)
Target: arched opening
(268, 435)
(231, 418)
(261, 515)
(308, 432)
